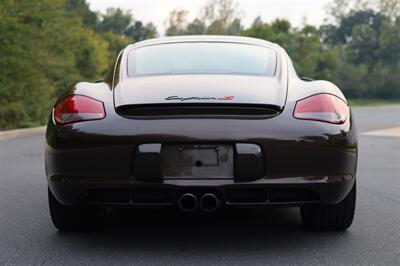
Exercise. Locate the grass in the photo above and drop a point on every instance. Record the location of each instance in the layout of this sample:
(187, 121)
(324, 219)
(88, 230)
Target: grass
(372, 102)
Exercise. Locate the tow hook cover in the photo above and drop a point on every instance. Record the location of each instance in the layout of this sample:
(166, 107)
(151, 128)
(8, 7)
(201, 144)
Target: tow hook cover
(249, 162)
(147, 162)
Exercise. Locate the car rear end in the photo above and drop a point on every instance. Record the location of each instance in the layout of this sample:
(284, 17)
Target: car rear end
(202, 141)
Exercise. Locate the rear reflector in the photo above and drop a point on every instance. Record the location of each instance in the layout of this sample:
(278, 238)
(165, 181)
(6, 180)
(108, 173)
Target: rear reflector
(322, 107)
(78, 108)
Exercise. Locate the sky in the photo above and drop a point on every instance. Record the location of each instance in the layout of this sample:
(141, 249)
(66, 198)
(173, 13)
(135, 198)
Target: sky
(157, 11)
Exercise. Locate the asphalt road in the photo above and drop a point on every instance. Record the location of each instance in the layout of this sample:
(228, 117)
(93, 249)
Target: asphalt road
(250, 237)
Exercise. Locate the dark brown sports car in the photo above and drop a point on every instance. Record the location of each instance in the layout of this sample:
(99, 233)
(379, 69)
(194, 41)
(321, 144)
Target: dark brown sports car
(202, 123)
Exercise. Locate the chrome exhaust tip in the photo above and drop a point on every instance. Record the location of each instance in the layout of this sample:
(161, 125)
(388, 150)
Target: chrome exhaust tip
(188, 202)
(209, 202)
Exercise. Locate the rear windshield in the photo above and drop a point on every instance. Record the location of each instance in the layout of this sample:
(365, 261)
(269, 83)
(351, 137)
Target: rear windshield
(202, 58)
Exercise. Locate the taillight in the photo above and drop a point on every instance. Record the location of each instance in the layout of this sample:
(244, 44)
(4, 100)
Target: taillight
(78, 108)
(322, 107)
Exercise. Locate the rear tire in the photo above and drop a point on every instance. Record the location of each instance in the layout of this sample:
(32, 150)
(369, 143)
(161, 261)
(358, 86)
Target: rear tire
(332, 216)
(71, 218)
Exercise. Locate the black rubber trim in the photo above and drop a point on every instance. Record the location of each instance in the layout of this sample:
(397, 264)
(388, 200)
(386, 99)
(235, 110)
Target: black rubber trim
(186, 110)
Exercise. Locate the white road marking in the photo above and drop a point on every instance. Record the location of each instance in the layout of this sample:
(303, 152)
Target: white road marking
(387, 132)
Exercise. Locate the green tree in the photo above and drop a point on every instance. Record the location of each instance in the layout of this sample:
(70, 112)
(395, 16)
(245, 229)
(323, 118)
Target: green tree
(116, 43)
(196, 27)
(80, 9)
(389, 43)
(390, 8)
(115, 20)
(139, 32)
(221, 17)
(44, 50)
(303, 45)
(119, 22)
(367, 39)
(218, 17)
(24, 88)
(177, 22)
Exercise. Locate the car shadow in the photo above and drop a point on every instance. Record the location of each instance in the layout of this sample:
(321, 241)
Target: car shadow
(169, 231)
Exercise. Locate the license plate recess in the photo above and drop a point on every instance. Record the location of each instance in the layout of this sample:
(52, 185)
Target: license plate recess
(198, 161)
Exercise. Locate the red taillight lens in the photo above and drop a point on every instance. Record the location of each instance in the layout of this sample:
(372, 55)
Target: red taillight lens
(322, 107)
(78, 108)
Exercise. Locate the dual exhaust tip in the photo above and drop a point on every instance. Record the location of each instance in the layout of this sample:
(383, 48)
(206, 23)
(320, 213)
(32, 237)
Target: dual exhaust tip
(207, 202)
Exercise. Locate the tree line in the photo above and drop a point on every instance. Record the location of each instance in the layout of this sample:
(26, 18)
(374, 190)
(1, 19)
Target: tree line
(48, 45)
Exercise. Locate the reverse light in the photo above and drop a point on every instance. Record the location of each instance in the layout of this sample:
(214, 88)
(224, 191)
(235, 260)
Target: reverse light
(322, 107)
(78, 108)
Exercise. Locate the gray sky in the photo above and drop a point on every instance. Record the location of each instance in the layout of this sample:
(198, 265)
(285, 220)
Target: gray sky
(157, 11)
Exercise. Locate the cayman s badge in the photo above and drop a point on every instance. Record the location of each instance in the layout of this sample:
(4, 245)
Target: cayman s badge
(199, 98)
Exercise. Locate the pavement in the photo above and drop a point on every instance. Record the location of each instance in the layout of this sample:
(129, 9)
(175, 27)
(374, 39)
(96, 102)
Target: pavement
(19, 133)
(251, 237)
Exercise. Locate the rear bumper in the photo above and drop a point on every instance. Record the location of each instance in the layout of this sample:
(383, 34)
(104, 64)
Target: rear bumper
(305, 160)
(295, 191)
